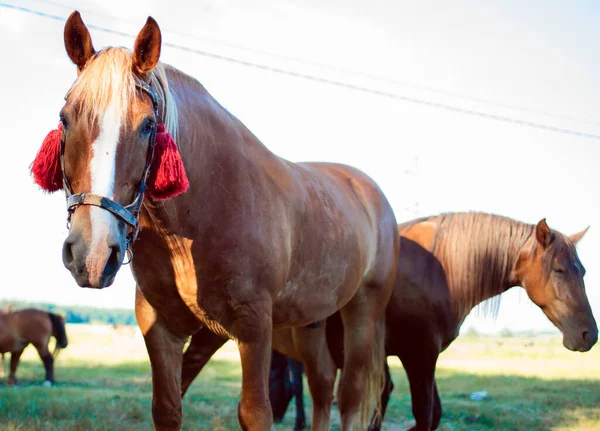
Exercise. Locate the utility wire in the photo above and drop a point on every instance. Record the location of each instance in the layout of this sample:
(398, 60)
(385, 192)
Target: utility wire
(328, 81)
(337, 69)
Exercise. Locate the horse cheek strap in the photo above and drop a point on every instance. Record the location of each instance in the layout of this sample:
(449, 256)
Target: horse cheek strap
(46, 169)
(167, 177)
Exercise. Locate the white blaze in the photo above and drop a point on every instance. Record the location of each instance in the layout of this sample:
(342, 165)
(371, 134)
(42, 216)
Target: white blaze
(102, 167)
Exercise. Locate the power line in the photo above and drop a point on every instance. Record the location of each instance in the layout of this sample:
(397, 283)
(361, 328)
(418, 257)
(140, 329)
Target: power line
(340, 69)
(332, 82)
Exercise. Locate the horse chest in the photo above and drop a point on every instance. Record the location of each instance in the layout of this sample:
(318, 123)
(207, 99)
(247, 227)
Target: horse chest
(175, 285)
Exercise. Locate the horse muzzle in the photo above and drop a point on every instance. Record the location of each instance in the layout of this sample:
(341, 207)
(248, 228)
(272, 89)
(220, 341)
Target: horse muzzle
(93, 264)
(580, 340)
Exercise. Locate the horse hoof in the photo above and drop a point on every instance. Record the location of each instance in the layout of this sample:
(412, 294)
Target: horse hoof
(47, 383)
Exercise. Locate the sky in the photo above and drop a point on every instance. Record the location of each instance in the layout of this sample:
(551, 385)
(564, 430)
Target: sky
(532, 61)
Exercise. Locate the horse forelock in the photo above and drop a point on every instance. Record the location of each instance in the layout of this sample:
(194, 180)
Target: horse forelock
(108, 82)
(479, 252)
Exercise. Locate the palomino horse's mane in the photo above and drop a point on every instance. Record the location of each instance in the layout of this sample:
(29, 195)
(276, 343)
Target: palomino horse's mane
(108, 78)
(478, 252)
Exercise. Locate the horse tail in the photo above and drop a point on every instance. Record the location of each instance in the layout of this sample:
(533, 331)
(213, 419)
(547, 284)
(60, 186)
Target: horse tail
(370, 408)
(59, 332)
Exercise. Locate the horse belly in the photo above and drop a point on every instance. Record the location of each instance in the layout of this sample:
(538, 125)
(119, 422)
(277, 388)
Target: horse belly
(8, 343)
(314, 297)
(326, 273)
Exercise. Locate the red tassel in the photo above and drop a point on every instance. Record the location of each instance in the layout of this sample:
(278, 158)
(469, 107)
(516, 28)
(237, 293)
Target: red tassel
(167, 176)
(46, 169)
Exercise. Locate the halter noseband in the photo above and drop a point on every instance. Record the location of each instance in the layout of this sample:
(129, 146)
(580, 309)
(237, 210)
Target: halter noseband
(128, 214)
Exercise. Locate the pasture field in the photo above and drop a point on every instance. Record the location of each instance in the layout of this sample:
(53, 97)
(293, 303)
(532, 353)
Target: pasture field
(104, 384)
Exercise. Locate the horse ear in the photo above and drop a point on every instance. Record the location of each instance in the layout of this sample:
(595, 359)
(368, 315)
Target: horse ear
(543, 233)
(576, 237)
(146, 50)
(78, 42)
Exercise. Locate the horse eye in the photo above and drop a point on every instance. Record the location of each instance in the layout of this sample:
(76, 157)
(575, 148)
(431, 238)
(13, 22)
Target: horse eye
(149, 127)
(558, 270)
(64, 121)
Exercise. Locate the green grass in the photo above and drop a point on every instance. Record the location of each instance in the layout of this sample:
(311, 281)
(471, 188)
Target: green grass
(104, 384)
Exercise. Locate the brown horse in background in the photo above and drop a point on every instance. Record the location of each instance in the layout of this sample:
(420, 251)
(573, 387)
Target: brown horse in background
(8, 309)
(256, 242)
(450, 264)
(20, 328)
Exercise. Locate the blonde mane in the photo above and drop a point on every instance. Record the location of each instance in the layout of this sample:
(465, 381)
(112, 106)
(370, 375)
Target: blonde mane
(478, 252)
(108, 77)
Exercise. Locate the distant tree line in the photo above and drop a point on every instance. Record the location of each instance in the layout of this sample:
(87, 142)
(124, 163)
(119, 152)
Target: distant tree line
(78, 314)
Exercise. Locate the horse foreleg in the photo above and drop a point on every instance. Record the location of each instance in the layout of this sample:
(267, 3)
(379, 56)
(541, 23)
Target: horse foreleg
(203, 345)
(165, 350)
(14, 363)
(420, 370)
(48, 360)
(311, 343)
(253, 336)
(2, 372)
(385, 398)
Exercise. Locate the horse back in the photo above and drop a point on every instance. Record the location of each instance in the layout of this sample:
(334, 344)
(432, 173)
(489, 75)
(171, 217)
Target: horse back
(32, 325)
(19, 328)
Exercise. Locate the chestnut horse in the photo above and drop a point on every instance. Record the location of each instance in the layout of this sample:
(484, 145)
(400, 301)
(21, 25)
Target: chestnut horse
(20, 328)
(255, 242)
(450, 264)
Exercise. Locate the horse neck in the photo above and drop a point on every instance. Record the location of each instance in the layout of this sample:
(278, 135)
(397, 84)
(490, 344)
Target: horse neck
(208, 132)
(496, 274)
(223, 159)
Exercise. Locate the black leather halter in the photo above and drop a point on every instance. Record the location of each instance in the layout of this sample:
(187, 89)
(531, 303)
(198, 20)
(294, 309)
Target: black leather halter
(128, 214)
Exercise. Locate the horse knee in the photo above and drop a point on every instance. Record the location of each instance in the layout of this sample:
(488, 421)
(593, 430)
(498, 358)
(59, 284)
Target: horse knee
(166, 419)
(324, 390)
(255, 417)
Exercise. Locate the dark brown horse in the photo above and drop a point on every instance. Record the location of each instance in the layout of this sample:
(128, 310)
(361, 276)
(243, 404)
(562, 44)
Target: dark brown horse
(256, 242)
(285, 384)
(20, 328)
(450, 264)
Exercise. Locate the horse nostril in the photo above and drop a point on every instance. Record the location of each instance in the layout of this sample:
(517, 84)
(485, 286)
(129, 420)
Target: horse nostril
(114, 260)
(67, 253)
(586, 337)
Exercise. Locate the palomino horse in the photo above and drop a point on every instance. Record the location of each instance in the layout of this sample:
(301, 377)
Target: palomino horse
(256, 242)
(20, 328)
(450, 264)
